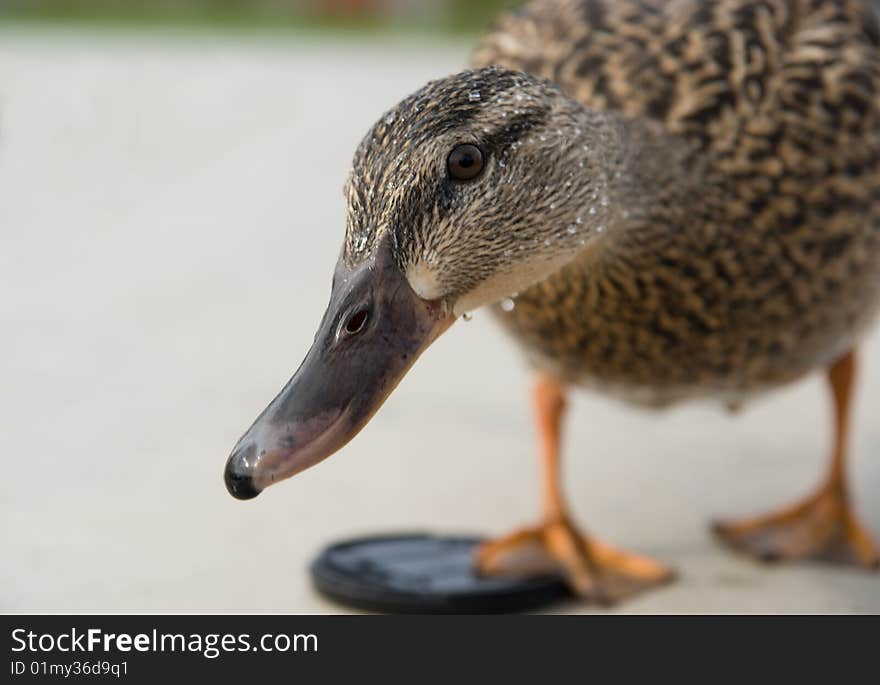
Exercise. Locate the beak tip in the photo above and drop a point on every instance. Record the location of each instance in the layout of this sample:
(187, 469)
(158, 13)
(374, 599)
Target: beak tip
(240, 485)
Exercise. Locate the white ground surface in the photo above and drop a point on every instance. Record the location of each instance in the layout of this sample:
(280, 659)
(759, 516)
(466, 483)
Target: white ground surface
(170, 213)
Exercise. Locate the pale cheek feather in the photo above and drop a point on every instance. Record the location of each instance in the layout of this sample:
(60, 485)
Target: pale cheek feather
(423, 280)
(510, 281)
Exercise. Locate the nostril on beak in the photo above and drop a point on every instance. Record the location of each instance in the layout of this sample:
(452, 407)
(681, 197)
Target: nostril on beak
(238, 480)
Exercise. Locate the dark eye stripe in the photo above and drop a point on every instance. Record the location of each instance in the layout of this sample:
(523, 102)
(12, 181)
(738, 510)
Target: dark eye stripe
(518, 126)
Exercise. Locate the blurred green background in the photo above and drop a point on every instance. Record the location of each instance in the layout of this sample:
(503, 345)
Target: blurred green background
(456, 16)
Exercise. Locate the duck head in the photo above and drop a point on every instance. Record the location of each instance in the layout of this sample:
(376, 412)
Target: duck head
(477, 186)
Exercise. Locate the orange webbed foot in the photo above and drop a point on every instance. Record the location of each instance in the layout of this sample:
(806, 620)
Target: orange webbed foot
(593, 570)
(822, 527)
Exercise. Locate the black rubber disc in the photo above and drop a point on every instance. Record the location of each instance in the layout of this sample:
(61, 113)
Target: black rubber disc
(423, 574)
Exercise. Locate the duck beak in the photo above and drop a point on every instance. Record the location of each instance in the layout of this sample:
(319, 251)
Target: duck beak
(374, 329)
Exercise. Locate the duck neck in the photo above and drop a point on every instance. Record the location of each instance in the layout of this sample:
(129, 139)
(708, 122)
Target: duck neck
(649, 180)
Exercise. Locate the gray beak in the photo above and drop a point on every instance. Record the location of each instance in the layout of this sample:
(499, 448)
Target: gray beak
(374, 329)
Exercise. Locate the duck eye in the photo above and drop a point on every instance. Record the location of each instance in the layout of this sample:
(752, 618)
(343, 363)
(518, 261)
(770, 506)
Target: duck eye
(465, 162)
(356, 322)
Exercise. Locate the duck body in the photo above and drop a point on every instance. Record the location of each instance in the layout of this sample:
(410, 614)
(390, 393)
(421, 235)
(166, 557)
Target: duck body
(759, 261)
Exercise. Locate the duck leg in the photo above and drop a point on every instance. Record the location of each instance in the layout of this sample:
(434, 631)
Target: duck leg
(823, 526)
(592, 569)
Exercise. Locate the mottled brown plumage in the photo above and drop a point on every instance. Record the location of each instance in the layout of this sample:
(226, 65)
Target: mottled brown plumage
(780, 274)
(739, 141)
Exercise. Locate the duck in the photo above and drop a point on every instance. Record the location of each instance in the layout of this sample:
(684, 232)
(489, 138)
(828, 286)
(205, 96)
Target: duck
(660, 201)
